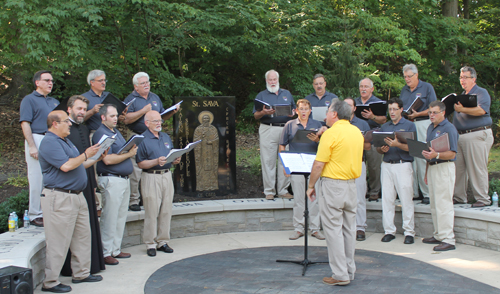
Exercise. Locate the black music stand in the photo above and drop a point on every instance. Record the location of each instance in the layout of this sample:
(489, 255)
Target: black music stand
(305, 262)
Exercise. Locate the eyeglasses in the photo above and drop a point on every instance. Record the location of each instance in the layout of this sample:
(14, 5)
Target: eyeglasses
(144, 83)
(101, 80)
(48, 81)
(65, 121)
(434, 112)
(157, 121)
(409, 77)
(394, 109)
(364, 87)
(463, 78)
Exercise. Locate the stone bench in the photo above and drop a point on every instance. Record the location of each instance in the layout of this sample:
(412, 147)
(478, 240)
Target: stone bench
(473, 226)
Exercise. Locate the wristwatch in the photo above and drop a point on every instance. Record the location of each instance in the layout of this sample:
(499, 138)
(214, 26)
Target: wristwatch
(437, 157)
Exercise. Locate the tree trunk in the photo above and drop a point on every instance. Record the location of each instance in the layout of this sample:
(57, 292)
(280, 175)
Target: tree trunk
(450, 9)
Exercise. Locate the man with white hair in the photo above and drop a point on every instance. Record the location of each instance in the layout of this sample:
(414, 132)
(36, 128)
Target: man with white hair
(97, 82)
(416, 88)
(145, 101)
(270, 131)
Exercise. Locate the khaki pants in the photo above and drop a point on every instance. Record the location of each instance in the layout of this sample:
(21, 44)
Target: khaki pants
(337, 202)
(35, 179)
(135, 177)
(472, 164)
(361, 193)
(115, 196)
(269, 138)
(420, 164)
(158, 194)
(441, 178)
(397, 180)
(373, 162)
(298, 186)
(67, 226)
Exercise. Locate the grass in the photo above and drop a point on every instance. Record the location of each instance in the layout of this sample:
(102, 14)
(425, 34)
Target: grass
(494, 160)
(249, 158)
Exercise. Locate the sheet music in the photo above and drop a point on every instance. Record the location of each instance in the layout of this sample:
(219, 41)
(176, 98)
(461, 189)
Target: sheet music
(106, 142)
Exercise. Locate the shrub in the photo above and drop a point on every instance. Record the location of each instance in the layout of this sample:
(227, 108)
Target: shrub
(19, 204)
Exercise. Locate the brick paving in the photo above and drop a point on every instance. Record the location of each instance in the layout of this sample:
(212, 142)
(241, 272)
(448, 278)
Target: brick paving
(256, 271)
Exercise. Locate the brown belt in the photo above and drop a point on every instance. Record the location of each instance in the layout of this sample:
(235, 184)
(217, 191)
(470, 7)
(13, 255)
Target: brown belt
(474, 130)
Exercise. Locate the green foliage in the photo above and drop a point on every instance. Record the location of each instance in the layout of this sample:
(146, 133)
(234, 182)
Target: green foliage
(19, 181)
(17, 203)
(494, 161)
(250, 159)
(494, 186)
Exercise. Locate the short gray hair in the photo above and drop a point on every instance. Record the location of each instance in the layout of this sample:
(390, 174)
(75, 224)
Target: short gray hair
(472, 71)
(342, 109)
(318, 76)
(139, 75)
(411, 67)
(371, 82)
(270, 71)
(94, 74)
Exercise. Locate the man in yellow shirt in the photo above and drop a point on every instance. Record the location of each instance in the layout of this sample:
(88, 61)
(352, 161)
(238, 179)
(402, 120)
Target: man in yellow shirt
(338, 162)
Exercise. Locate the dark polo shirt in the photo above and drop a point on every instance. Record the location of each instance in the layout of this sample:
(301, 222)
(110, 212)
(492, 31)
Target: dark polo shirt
(152, 147)
(423, 90)
(123, 168)
(35, 109)
(395, 153)
(464, 121)
(324, 101)
(291, 129)
(94, 121)
(283, 97)
(371, 123)
(444, 127)
(360, 123)
(55, 151)
(138, 126)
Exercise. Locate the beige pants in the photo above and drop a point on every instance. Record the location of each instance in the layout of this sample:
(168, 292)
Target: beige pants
(441, 178)
(337, 202)
(472, 164)
(67, 226)
(420, 164)
(135, 177)
(361, 193)
(35, 179)
(397, 180)
(373, 162)
(269, 138)
(158, 194)
(298, 186)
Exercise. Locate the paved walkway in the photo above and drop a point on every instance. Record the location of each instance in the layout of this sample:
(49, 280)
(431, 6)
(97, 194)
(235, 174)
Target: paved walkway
(382, 265)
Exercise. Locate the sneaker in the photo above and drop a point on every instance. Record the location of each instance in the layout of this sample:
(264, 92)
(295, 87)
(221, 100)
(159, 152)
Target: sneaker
(318, 235)
(333, 282)
(295, 235)
(134, 207)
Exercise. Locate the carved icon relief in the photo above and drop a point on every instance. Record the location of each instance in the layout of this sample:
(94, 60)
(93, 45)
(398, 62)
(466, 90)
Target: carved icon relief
(206, 153)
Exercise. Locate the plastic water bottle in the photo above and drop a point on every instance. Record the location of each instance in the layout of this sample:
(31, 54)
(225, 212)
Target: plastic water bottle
(16, 220)
(26, 219)
(12, 225)
(494, 198)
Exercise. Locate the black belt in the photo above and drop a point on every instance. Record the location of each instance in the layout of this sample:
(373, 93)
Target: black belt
(112, 175)
(157, 171)
(398, 161)
(274, 124)
(43, 134)
(474, 130)
(436, 162)
(421, 118)
(64, 190)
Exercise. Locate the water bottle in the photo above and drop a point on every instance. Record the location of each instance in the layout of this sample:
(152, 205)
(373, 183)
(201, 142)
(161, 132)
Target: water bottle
(12, 225)
(16, 220)
(494, 198)
(26, 219)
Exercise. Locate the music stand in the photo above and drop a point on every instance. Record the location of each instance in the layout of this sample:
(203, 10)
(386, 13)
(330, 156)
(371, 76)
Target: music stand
(305, 262)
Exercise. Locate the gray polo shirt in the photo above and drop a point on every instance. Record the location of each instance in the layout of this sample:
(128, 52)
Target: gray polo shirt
(423, 90)
(35, 109)
(291, 128)
(94, 121)
(123, 168)
(464, 121)
(361, 124)
(442, 128)
(152, 147)
(395, 153)
(138, 126)
(55, 151)
(371, 123)
(283, 97)
(324, 101)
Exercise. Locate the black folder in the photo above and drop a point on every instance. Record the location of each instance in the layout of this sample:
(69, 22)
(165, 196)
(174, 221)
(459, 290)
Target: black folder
(466, 100)
(378, 108)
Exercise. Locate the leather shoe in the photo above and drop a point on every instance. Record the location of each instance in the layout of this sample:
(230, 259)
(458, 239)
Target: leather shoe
(270, 197)
(123, 255)
(110, 260)
(61, 288)
(431, 240)
(388, 238)
(295, 235)
(165, 248)
(286, 196)
(318, 235)
(151, 252)
(360, 235)
(38, 222)
(89, 279)
(425, 200)
(333, 282)
(409, 240)
(444, 247)
(134, 207)
(457, 202)
(478, 204)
